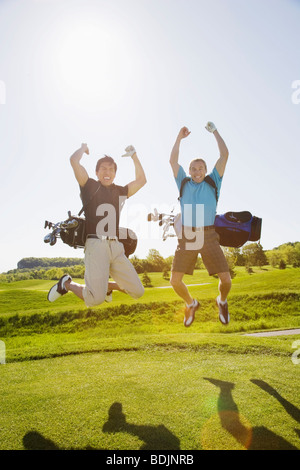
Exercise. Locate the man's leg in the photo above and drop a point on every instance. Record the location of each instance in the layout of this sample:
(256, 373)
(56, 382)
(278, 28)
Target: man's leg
(224, 288)
(184, 263)
(96, 276)
(123, 272)
(215, 262)
(114, 286)
(180, 287)
(75, 288)
(96, 260)
(224, 285)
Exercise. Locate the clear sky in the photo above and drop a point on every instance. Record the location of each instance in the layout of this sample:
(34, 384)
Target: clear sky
(117, 72)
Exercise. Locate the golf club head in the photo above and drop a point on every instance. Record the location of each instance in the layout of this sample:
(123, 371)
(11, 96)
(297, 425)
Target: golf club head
(52, 238)
(53, 241)
(72, 223)
(69, 224)
(47, 238)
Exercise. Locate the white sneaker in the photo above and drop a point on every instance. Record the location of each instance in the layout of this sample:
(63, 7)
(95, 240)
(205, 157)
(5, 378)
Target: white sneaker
(108, 297)
(224, 316)
(59, 288)
(190, 313)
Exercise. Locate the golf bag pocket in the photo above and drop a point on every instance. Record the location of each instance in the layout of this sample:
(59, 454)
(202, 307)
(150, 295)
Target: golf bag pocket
(237, 228)
(73, 232)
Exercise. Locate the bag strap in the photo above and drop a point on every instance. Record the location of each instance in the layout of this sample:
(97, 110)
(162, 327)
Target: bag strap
(211, 182)
(207, 179)
(183, 182)
(87, 203)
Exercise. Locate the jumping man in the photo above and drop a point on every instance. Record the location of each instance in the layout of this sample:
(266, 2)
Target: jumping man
(198, 194)
(104, 253)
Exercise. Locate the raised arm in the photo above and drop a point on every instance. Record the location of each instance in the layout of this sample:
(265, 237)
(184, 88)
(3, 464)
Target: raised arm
(80, 172)
(184, 132)
(140, 178)
(221, 162)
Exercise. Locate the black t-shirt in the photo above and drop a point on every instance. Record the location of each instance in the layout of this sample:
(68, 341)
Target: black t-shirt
(103, 211)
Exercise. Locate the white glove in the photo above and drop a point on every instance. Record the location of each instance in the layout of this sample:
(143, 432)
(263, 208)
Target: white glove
(130, 151)
(210, 127)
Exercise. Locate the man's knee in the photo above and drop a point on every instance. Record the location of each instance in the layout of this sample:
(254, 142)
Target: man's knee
(176, 278)
(225, 278)
(138, 292)
(135, 290)
(92, 299)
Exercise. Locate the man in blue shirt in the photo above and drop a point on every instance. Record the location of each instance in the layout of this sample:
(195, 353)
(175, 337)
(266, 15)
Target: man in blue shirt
(198, 211)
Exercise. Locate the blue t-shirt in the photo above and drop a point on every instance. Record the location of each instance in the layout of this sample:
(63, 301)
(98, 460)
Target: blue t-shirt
(198, 202)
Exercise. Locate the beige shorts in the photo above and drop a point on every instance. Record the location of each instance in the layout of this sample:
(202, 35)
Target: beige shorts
(104, 259)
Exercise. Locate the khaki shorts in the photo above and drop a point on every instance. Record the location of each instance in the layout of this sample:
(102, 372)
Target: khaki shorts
(211, 254)
(105, 258)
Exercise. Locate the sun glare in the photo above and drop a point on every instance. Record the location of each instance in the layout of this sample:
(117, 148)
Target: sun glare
(91, 65)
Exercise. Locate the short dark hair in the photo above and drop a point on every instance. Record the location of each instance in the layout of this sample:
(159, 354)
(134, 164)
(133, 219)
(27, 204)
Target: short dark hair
(107, 159)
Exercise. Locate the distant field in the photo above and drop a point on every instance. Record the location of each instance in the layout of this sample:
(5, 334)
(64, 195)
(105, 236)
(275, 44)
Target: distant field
(128, 375)
(24, 296)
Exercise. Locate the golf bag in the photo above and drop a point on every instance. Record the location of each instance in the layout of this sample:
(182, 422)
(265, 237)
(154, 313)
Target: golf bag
(237, 228)
(234, 228)
(72, 231)
(75, 235)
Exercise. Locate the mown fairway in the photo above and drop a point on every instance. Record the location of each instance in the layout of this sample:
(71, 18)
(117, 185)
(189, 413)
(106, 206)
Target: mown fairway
(128, 375)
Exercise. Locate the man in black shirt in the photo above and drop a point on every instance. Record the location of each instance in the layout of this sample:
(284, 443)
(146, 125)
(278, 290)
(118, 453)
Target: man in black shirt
(104, 253)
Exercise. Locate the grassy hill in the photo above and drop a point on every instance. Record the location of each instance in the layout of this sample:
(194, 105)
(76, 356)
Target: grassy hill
(128, 375)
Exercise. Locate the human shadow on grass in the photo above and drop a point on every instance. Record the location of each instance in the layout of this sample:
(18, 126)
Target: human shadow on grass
(34, 440)
(257, 438)
(291, 409)
(154, 437)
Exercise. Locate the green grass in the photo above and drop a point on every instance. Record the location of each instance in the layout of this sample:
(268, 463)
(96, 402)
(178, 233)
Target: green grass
(31, 296)
(128, 375)
(170, 399)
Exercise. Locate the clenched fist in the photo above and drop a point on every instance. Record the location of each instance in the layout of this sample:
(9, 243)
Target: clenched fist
(85, 149)
(210, 127)
(184, 132)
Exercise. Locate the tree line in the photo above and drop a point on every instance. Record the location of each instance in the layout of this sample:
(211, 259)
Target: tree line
(250, 255)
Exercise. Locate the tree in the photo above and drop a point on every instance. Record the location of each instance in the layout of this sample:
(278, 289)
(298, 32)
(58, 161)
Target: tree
(282, 264)
(274, 257)
(288, 252)
(166, 274)
(155, 261)
(254, 254)
(169, 261)
(146, 280)
(231, 259)
(138, 264)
